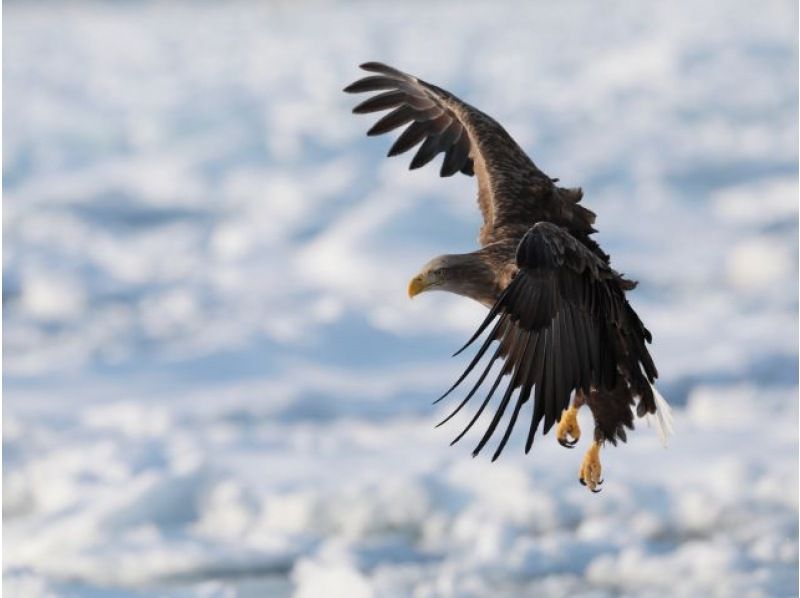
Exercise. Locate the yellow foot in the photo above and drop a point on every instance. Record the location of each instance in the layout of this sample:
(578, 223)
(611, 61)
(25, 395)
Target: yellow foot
(568, 428)
(591, 469)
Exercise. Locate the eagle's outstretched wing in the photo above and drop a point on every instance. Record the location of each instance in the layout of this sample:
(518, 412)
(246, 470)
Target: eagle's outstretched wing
(512, 192)
(563, 324)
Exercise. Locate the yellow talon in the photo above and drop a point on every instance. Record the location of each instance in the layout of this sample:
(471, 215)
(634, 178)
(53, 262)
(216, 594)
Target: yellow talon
(591, 469)
(568, 428)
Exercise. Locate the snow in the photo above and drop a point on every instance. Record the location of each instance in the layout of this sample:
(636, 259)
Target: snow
(215, 387)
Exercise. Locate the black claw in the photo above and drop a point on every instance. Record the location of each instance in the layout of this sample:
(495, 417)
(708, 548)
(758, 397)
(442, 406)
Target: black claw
(600, 482)
(598, 491)
(581, 481)
(567, 443)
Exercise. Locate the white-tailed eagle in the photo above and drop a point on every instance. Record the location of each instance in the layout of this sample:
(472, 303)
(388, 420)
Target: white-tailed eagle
(557, 310)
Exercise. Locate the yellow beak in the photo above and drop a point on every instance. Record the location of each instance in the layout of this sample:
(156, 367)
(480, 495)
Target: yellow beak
(416, 286)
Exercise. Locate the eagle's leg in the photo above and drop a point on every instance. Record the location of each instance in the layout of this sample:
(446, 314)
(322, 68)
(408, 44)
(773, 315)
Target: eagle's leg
(612, 412)
(591, 469)
(568, 432)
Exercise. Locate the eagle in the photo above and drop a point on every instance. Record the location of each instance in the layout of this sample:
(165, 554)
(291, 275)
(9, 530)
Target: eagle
(565, 333)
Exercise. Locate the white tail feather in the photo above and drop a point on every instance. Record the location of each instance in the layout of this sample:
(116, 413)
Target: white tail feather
(661, 419)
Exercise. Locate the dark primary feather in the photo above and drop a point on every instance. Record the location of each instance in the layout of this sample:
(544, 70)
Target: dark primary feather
(436, 122)
(564, 325)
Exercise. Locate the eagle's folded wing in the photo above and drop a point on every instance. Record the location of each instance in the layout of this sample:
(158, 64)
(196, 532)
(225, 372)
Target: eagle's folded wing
(563, 324)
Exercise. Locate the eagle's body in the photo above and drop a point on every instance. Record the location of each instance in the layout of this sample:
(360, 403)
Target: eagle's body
(557, 308)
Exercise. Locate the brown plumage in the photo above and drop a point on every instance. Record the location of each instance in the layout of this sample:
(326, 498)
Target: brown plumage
(557, 309)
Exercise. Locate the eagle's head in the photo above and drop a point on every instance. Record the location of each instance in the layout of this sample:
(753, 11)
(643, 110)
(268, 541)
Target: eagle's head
(463, 274)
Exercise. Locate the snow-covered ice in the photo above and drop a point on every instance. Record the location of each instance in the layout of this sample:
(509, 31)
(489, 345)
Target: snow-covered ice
(215, 386)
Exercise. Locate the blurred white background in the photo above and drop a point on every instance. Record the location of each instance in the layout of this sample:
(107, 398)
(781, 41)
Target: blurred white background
(215, 384)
